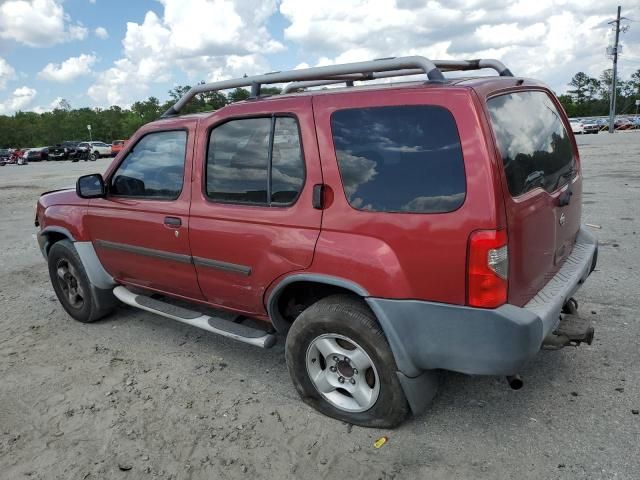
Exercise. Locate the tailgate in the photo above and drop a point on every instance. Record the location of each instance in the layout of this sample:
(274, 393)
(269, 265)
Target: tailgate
(542, 187)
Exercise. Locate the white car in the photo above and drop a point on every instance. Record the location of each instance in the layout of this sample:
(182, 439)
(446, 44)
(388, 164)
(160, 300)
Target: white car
(576, 126)
(99, 149)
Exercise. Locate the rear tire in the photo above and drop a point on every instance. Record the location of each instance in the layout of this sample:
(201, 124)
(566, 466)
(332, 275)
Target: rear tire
(72, 285)
(342, 327)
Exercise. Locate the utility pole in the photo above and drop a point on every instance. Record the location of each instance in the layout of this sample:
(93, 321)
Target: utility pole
(612, 100)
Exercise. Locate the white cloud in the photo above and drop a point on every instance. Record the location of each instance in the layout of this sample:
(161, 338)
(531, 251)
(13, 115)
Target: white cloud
(68, 70)
(7, 73)
(37, 23)
(21, 98)
(205, 39)
(550, 40)
(216, 39)
(101, 32)
(494, 35)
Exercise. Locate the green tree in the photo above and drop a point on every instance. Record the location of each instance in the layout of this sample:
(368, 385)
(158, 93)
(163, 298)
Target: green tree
(238, 95)
(580, 82)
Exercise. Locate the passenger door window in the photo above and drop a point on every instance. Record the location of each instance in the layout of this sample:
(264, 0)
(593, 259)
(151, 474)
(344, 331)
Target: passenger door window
(153, 168)
(255, 161)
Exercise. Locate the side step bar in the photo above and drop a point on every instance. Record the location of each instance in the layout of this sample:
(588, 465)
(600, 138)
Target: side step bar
(221, 326)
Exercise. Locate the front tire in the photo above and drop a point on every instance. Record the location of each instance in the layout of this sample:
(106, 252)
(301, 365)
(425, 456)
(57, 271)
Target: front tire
(71, 283)
(341, 364)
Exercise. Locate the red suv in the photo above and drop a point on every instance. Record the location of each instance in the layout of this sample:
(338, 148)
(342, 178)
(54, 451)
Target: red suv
(388, 231)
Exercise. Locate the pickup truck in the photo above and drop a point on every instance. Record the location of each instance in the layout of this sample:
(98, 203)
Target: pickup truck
(58, 152)
(384, 231)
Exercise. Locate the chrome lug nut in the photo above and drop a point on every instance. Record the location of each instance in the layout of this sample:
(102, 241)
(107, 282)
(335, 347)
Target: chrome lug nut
(332, 368)
(341, 379)
(355, 371)
(335, 358)
(353, 381)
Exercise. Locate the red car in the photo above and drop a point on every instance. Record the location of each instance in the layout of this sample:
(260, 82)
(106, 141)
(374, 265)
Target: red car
(117, 146)
(387, 231)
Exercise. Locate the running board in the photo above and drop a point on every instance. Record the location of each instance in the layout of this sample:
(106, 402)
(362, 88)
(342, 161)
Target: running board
(221, 326)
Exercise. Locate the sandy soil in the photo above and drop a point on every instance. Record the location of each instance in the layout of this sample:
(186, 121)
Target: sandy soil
(138, 396)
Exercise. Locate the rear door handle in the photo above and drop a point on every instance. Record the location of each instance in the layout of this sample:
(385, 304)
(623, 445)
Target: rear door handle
(173, 222)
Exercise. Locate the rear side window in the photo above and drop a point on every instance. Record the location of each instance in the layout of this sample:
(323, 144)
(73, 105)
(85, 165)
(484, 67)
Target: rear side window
(255, 161)
(535, 147)
(154, 168)
(400, 159)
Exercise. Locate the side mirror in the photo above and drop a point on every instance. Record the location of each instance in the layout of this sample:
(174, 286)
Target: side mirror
(90, 186)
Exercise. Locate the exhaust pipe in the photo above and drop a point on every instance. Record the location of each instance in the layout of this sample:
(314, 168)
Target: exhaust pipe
(515, 382)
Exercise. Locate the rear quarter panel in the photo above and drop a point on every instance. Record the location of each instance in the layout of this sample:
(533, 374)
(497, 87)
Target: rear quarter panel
(407, 255)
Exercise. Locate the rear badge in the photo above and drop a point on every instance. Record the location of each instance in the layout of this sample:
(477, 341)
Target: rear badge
(563, 219)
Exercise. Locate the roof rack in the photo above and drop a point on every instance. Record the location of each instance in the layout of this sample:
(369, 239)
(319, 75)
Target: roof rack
(443, 66)
(347, 72)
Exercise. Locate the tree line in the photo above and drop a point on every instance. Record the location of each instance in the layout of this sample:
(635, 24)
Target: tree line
(30, 129)
(588, 97)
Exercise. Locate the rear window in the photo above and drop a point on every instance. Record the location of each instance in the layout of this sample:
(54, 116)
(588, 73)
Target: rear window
(400, 159)
(535, 147)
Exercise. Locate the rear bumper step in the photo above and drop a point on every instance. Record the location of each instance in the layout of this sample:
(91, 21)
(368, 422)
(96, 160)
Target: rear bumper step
(221, 326)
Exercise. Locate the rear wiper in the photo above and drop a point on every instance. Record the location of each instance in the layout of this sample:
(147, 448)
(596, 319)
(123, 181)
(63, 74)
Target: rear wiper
(565, 198)
(535, 178)
(568, 174)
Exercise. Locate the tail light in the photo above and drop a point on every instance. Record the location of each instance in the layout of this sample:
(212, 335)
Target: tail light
(487, 269)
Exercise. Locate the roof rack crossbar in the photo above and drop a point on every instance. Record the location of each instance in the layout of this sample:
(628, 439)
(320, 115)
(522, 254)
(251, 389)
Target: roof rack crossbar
(443, 66)
(327, 72)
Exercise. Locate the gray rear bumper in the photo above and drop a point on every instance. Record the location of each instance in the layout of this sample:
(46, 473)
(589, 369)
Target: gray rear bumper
(428, 335)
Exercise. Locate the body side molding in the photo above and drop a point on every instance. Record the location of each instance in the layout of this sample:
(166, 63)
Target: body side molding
(147, 252)
(220, 265)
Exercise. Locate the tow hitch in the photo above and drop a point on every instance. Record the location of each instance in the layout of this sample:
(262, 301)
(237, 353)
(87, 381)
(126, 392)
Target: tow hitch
(572, 330)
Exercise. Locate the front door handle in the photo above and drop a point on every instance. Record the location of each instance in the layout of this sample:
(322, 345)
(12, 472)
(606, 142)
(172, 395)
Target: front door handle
(173, 222)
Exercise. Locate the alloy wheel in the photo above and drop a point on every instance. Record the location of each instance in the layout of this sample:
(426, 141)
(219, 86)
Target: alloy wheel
(343, 373)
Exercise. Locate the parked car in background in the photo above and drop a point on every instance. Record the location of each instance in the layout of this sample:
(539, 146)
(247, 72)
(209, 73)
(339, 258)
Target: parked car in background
(590, 126)
(99, 149)
(58, 152)
(623, 123)
(71, 147)
(116, 147)
(35, 154)
(576, 126)
(5, 155)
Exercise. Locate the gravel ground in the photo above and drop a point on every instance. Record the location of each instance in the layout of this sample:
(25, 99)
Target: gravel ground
(138, 396)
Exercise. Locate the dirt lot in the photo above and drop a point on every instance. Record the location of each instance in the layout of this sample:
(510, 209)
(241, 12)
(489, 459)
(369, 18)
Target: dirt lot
(137, 396)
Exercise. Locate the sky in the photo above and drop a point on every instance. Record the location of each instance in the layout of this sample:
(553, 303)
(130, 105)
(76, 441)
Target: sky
(97, 53)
